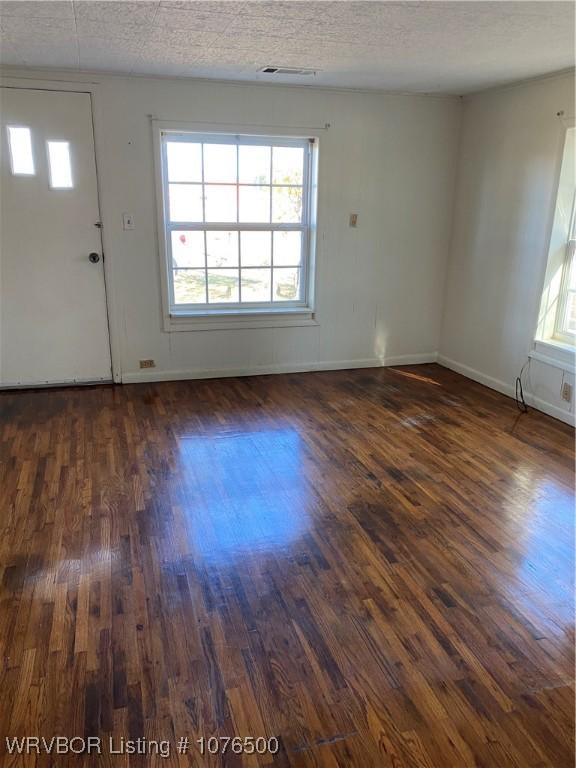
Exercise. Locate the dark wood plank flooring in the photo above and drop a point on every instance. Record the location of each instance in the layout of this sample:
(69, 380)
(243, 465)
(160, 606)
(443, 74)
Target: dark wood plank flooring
(373, 566)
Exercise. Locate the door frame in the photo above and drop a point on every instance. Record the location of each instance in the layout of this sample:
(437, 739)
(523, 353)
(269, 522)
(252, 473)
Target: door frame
(34, 83)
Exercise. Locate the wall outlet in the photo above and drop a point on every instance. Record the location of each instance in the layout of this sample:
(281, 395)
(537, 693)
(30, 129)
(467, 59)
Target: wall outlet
(566, 392)
(147, 364)
(128, 221)
(353, 220)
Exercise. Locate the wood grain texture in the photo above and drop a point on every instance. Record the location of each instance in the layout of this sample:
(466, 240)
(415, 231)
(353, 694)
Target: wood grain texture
(374, 566)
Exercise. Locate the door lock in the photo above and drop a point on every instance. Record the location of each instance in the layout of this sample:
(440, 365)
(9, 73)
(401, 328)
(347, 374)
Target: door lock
(94, 258)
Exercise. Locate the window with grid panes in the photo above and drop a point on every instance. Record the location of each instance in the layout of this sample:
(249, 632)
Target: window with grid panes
(237, 222)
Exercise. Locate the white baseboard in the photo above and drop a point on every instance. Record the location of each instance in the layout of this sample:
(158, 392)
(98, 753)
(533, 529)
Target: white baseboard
(138, 377)
(552, 410)
(55, 384)
(507, 389)
(481, 378)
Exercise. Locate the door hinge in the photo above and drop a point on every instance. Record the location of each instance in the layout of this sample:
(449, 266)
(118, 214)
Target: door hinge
(98, 224)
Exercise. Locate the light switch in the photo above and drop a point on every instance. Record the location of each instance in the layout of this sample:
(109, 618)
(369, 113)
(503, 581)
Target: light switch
(353, 220)
(127, 221)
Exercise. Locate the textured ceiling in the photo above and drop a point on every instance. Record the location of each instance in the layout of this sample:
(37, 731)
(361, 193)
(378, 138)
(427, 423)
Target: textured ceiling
(438, 47)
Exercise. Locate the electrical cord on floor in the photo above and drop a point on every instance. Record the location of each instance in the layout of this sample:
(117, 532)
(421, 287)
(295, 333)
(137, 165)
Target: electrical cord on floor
(520, 401)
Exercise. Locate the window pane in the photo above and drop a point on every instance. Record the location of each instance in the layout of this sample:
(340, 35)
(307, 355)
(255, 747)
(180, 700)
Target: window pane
(254, 165)
(286, 284)
(256, 284)
(188, 249)
(184, 161)
(222, 285)
(571, 312)
(255, 204)
(185, 202)
(20, 140)
(572, 268)
(59, 162)
(189, 286)
(286, 204)
(220, 162)
(220, 203)
(287, 247)
(222, 249)
(287, 165)
(255, 249)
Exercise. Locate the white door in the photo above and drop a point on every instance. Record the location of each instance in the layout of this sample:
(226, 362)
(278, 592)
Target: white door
(53, 321)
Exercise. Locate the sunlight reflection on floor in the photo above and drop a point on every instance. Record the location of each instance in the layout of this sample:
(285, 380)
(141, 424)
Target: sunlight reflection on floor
(417, 377)
(245, 491)
(545, 573)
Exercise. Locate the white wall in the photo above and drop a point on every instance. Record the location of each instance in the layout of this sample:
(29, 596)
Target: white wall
(391, 159)
(510, 147)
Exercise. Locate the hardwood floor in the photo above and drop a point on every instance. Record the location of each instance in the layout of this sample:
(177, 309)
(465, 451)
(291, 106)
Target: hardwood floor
(373, 566)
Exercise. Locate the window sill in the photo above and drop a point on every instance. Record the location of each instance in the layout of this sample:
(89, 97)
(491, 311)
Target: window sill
(555, 353)
(223, 320)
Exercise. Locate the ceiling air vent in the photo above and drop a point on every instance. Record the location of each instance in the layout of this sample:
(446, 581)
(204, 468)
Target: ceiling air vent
(287, 71)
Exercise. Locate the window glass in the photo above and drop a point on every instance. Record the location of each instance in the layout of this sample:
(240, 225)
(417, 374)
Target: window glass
(286, 284)
(187, 249)
(184, 161)
(185, 202)
(220, 203)
(286, 204)
(287, 165)
(287, 249)
(256, 285)
(220, 163)
(21, 157)
(254, 204)
(60, 165)
(222, 249)
(254, 165)
(223, 286)
(189, 286)
(256, 249)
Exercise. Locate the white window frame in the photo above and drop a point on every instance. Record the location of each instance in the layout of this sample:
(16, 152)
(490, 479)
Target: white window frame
(254, 314)
(560, 331)
(552, 345)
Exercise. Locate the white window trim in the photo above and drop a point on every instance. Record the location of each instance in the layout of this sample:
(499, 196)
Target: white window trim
(203, 318)
(554, 353)
(550, 345)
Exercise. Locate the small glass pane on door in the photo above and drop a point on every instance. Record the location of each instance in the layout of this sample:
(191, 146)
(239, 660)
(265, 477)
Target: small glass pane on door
(60, 165)
(21, 157)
